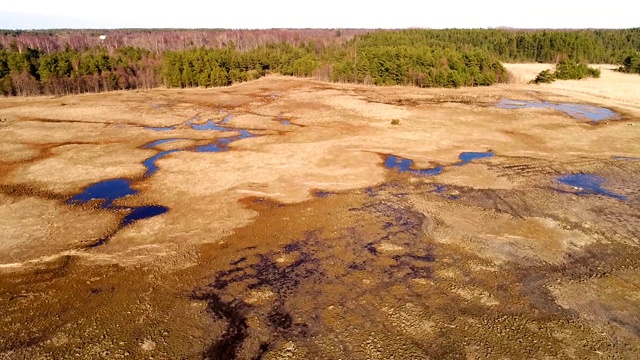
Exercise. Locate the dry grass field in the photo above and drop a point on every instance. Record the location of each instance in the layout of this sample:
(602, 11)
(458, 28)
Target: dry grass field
(290, 231)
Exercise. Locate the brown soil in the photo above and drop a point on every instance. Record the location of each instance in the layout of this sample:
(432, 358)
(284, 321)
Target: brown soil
(299, 244)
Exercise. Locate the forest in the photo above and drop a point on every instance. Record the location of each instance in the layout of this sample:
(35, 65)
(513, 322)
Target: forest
(76, 61)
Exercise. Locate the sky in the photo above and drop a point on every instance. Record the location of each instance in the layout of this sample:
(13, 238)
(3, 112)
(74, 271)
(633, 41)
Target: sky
(260, 14)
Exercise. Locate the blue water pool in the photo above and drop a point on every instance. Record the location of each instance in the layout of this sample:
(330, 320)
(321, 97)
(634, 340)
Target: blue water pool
(578, 111)
(209, 125)
(107, 190)
(467, 157)
(588, 184)
(393, 162)
(153, 144)
(143, 212)
(150, 163)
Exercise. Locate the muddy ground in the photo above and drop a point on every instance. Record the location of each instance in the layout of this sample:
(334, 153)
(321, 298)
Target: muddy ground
(298, 242)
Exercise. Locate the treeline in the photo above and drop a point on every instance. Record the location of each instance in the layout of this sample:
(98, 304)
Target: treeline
(424, 58)
(545, 46)
(220, 67)
(379, 65)
(594, 46)
(406, 58)
(162, 40)
(30, 72)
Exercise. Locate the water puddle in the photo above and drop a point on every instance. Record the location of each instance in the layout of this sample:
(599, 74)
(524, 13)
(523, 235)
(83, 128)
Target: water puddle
(218, 145)
(223, 144)
(401, 164)
(135, 214)
(283, 120)
(214, 147)
(108, 191)
(625, 158)
(578, 111)
(444, 191)
(439, 188)
(153, 144)
(588, 184)
(226, 119)
(467, 157)
(166, 128)
(209, 125)
(143, 212)
(406, 165)
(322, 194)
(150, 163)
(191, 121)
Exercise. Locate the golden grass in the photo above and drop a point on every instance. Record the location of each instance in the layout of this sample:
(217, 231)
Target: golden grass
(397, 270)
(347, 127)
(611, 85)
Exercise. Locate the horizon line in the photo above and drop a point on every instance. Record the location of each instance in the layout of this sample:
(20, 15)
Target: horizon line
(315, 28)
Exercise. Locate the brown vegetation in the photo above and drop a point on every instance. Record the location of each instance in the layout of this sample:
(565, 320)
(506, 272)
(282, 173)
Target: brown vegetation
(160, 41)
(299, 243)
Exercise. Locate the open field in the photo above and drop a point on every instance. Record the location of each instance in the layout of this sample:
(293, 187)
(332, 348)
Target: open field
(295, 241)
(612, 85)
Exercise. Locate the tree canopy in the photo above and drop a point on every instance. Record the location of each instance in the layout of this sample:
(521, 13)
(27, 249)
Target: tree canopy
(423, 58)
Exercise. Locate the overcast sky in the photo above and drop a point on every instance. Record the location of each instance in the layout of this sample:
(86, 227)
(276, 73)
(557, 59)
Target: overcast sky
(44, 14)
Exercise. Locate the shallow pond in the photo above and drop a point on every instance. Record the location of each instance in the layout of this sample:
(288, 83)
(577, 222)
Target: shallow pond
(209, 125)
(143, 212)
(588, 184)
(218, 145)
(578, 111)
(467, 157)
(167, 128)
(213, 147)
(223, 144)
(155, 143)
(107, 190)
(283, 120)
(401, 164)
(393, 162)
(625, 158)
(111, 190)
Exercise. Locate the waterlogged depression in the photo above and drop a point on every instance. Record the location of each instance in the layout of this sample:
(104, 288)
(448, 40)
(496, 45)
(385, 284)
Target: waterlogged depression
(109, 191)
(578, 111)
(403, 165)
(588, 184)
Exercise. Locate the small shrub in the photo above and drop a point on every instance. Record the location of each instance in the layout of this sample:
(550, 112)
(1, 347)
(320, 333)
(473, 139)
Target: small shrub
(395, 122)
(571, 70)
(545, 77)
(566, 70)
